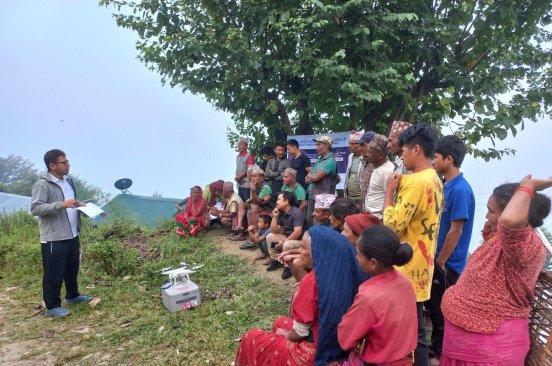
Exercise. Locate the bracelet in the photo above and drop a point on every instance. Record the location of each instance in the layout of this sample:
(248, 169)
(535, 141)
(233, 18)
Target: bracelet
(527, 190)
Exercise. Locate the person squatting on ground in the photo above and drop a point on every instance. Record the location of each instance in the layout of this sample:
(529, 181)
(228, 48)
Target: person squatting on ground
(291, 185)
(259, 237)
(286, 228)
(195, 217)
(228, 215)
(54, 202)
(322, 203)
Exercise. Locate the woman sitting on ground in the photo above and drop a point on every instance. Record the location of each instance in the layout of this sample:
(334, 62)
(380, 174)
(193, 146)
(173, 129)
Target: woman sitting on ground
(339, 210)
(212, 193)
(486, 312)
(381, 326)
(195, 217)
(355, 224)
(324, 295)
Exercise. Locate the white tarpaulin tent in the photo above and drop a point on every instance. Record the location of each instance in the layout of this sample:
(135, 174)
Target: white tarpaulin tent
(12, 202)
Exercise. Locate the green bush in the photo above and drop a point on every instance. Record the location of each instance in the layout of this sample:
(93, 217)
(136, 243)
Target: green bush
(110, 257)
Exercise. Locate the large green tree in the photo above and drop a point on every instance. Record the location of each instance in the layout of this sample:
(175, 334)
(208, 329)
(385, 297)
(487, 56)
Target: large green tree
(284, 67)
(17, 176)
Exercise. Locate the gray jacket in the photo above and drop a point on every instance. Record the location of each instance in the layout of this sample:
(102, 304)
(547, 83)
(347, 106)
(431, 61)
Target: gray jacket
(275, 177)
(47, 200)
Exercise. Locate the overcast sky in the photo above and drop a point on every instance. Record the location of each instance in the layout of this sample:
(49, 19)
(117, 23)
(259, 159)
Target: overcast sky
(70, 79)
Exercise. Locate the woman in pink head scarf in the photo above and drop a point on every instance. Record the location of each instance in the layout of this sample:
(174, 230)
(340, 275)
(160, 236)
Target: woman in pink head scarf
(195, 218)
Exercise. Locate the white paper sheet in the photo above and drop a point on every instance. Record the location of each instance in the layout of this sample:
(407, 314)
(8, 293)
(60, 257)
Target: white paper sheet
(91, 210)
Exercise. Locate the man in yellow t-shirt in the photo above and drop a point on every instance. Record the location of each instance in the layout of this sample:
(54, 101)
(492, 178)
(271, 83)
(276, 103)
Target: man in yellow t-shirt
(413, 205)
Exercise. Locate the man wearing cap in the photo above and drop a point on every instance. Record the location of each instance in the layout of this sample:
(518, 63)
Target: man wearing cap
(322, 203)
(291, 185)
(366, 168)
(352, 189)
(323, 176)
(228, 216)
(383, 168)
(397, 128)
(243, 160)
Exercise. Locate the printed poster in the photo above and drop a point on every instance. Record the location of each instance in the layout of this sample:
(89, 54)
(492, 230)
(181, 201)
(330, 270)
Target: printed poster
(340, 150)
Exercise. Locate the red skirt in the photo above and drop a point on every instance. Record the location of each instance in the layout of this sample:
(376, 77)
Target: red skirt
(270, 349)
(189, 225)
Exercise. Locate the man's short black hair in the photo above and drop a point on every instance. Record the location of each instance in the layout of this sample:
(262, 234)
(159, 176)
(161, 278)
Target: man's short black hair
(420, 134)
(452, 146)
(281, 144)
(293, 142)
(267, 150)
(288, 196)
(52, 157)
(266, 219)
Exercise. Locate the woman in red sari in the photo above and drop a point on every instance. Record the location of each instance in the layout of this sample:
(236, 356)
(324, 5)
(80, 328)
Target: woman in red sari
(325, 293)
(195, 218)
(486, 312)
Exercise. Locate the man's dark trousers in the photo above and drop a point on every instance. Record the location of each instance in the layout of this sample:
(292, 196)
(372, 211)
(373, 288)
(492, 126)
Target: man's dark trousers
(60, 260)
(441, 281)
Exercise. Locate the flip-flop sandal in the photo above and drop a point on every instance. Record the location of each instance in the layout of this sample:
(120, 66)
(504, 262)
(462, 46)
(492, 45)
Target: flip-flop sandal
(260, 257)
(267, 262)
(236, 238)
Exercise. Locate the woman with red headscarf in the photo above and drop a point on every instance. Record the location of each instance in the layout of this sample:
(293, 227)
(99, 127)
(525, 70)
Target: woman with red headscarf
(195, 218)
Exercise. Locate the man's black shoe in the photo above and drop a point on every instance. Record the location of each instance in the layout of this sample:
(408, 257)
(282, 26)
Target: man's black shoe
(286, 273)
(274, 266)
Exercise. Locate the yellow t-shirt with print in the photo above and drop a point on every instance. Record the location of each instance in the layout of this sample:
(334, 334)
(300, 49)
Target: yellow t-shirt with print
(415, 217)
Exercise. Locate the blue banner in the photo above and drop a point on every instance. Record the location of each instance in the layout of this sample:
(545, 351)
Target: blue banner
(340, 150)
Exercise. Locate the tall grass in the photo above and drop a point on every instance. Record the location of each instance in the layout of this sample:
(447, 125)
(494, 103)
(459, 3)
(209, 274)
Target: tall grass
(119, 264)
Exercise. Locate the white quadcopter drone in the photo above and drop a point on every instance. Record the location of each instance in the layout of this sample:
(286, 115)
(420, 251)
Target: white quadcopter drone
(181, 274)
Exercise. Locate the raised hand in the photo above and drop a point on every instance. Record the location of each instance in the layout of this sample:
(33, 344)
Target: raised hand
(536, 184)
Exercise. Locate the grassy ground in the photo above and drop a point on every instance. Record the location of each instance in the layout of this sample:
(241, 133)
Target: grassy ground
(130, 324)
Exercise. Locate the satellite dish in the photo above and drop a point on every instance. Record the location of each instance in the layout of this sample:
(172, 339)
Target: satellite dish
(123, 185)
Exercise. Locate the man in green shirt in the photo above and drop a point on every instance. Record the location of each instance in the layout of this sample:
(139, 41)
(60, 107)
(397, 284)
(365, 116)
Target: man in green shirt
(323, 176)
(291, 185)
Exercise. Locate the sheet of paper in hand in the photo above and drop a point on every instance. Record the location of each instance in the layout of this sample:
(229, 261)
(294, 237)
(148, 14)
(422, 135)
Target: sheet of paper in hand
(91, 210)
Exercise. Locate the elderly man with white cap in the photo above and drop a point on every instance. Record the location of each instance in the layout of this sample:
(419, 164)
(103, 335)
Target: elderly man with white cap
(323, 176)
(243, 160)
(352, 188)
(228, 215)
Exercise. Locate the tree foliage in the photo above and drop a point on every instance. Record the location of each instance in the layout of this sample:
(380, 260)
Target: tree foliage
(479, 67)
(17, 176)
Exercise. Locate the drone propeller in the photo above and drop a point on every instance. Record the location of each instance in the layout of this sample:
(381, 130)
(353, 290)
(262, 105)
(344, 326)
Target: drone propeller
(163, 270)
(198, 267)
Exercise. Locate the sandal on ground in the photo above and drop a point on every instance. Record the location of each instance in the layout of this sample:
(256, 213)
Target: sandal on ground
(260, 257)
(237, 238)
(267, 262)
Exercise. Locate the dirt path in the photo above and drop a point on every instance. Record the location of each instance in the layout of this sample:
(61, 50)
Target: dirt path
(232, 247)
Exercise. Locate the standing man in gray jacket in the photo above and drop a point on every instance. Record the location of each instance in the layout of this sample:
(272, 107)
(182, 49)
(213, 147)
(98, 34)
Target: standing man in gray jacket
(54, 202)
